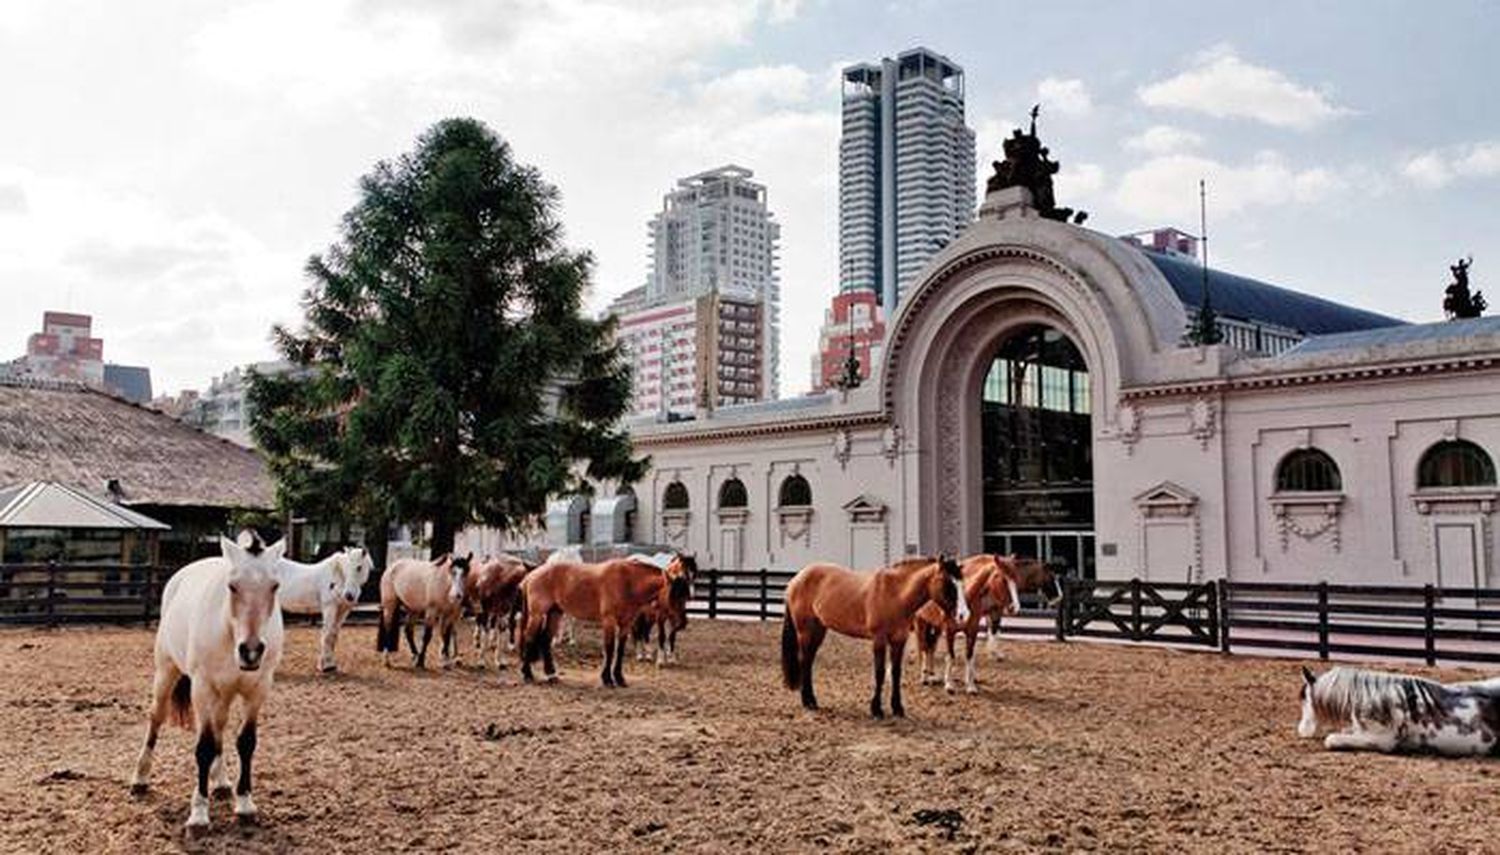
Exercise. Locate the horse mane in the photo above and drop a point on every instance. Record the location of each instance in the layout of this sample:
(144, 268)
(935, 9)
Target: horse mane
(1379, 696)
(912, 563)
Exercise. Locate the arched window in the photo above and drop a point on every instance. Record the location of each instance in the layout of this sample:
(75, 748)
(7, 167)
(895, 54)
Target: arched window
(1308, 470)
(795, 492)
(733, 495)
(1456, 463)
(675, 498)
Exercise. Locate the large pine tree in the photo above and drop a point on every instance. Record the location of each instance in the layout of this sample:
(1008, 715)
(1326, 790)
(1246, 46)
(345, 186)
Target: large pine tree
(447, 374)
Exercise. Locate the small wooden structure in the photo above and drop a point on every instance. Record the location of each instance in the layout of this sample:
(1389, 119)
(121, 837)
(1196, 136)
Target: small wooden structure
(47, 521)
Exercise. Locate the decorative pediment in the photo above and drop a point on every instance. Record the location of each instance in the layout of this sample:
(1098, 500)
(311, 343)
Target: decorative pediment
(1167, 495)
(865, 508)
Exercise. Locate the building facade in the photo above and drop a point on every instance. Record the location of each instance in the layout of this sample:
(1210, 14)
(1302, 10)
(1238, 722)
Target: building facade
(699, 353)
(906, 169)
(855, 318)
(715, 234)
(1034, 396)
(66, 350)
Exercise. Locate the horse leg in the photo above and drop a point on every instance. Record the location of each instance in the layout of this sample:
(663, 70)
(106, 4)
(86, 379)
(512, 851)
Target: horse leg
(898, 652)
(244, 805)
(210, 715)
(426, 640)
(161, 699)
(971, 637)
(992, 643)
(809, 642)
(948, 634)
(549, 667)
(607, 675)
(876, 710)
(411, 641)
(326, 638)
(620, 660)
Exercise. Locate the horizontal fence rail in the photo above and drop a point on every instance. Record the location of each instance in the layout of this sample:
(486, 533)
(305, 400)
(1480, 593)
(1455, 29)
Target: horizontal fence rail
(1427, 623)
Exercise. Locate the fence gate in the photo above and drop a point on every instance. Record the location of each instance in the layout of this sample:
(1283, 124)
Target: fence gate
(1141, 611)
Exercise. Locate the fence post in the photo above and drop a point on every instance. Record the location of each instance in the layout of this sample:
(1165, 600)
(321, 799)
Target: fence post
(1062, 611)
(1135, 609)
(1429, 622)
(713, 594)
(765, 594)
(1223, 603)
(1323, 619)
(1212, 604)
(52, 593)
(147, 584)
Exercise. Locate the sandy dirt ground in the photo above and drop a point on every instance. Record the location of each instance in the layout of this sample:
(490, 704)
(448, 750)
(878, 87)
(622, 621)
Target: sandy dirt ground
(1068, 747)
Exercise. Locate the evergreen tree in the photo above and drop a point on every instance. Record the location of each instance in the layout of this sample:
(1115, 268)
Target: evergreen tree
(447, 374)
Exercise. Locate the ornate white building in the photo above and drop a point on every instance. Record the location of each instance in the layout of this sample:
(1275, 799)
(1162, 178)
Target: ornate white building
(1034, 396)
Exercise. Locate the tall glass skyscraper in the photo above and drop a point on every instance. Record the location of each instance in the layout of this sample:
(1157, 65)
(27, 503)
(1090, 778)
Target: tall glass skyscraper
(906, 169)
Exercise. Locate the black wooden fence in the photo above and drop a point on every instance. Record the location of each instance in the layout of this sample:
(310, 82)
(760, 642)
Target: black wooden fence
(1425, 623)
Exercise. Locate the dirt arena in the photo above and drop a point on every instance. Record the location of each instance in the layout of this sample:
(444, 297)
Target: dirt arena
(1069, 747)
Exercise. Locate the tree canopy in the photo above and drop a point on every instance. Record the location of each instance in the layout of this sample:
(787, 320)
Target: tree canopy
(445, 371)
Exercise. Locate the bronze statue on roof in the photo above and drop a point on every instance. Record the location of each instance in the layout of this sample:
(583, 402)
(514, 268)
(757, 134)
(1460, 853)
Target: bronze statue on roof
(1460, 302)
(1028, 164)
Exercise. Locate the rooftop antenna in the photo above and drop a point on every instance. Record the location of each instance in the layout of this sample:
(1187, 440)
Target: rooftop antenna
(1205, 327)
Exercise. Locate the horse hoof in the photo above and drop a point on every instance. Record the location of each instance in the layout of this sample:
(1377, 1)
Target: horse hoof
(329, 669)
(139, 788)
(222, 791)
(551, 678)
(620, 683)
(948, 689)
(251, 818)
(971, 690)
(898, 712)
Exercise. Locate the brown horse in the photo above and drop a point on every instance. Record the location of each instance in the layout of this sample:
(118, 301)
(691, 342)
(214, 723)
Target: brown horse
(611, 594)
(493, 589)
(668, 620)
(1031, 575)
(990, 587)
(429, 591)
(878, 606)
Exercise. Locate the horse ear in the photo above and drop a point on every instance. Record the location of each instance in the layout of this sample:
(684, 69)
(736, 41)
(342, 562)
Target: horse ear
(1308, 675)
(277, 549)
(231, 550)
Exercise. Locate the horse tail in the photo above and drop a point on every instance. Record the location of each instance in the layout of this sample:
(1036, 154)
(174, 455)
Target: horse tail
(791, 668)
(181, 708)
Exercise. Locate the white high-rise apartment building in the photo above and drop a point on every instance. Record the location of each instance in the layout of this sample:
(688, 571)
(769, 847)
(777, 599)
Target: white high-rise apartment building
(715, 234)
(906, 169)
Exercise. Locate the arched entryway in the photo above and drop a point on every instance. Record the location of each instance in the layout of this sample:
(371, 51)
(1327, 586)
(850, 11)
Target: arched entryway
(1036, 456)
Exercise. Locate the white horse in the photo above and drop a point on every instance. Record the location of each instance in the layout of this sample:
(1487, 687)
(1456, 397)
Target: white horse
(219, 638)
(1377, 711)
(329, 588)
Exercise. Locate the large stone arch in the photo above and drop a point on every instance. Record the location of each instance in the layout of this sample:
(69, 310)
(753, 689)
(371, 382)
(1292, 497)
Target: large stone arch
(999, 276)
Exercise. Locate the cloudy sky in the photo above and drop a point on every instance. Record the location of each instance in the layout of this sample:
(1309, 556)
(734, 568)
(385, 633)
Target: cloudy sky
(167, 165)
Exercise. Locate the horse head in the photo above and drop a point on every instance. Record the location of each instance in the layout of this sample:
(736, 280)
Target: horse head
(458, 571)
(354, 567)
(1307, 728)
(1002, 586)
(946, 588)
(679, 574)
(254, 576)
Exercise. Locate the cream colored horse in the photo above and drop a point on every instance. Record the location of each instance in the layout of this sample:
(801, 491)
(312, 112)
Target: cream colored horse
(432, 592)
(219, 638)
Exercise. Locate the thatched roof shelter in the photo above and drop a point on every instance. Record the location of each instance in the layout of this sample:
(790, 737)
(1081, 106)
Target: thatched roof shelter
(97, 443)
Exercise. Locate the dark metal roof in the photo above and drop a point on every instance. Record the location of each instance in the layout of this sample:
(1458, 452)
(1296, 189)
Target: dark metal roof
(131, 382)
(1247, 299)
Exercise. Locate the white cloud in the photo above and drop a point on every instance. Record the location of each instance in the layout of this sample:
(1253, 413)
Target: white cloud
(762, 85)
(1222, 85)
(1077, 182)
(1165, 189)
(1440, 167)
(1065, 97)
(1163, 139)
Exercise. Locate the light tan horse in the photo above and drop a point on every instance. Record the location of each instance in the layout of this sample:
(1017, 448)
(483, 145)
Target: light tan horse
(990, 587)
(878, 606)
(429, 591)
(611, 594)
(493, 589)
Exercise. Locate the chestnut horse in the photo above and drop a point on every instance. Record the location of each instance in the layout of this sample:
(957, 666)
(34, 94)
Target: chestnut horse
(878, 606)
(990, 587)
(1031, 575)
(611, 594)
(493, 588)
(429, 591)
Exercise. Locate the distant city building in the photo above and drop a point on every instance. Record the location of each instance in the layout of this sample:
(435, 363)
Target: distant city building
(67, 351)
(906, 169)
(715, 234)
(856, 316)
(223, 409)
(700, 353)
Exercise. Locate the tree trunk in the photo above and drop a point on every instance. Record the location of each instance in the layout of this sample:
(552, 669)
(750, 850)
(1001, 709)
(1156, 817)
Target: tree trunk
(443, 534)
